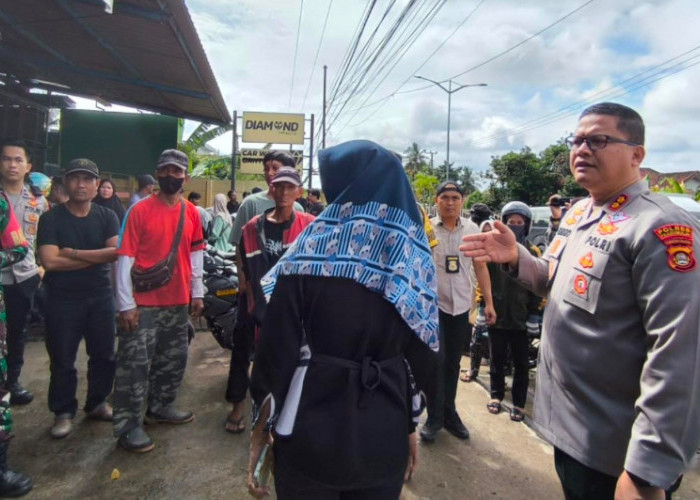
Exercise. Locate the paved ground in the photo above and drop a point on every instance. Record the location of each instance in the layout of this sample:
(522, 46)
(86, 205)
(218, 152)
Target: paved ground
(199, 460)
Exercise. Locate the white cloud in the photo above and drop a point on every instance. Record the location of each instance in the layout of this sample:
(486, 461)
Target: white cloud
(250, 45)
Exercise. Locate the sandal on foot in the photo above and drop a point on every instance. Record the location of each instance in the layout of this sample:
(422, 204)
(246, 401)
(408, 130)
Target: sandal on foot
(517, 415)
(234, 426)
(467, 376)
(494, 407)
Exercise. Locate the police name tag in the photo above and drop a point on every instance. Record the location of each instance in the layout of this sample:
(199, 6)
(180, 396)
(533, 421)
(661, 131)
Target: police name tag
(452, 264)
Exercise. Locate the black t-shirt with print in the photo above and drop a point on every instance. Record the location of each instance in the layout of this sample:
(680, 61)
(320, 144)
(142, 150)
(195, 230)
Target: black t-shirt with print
(274, 247)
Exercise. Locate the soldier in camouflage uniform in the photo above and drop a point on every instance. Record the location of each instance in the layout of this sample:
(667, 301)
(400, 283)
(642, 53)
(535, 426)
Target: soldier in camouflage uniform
(13, 248)
(152, 351)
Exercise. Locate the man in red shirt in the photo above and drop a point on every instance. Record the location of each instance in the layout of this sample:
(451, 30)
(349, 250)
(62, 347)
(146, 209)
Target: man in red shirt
(154, 320)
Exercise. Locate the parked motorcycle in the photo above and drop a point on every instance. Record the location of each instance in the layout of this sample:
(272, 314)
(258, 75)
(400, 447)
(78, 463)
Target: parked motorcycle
(220, 295)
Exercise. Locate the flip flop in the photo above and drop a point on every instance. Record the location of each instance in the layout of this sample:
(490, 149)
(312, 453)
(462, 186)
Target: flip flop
(494, 407)
(234, 426)
(516, 415)
(466, 376)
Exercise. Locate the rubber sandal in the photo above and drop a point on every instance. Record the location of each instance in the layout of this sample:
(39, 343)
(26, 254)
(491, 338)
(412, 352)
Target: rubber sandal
(494, 407)
(234, 426)
(466, 376)
(516, 415)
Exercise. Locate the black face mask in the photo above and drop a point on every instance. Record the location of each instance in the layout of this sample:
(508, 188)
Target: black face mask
(519, 232)
(170, 185)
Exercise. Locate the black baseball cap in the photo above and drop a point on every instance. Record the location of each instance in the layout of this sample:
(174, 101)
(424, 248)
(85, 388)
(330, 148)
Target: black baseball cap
(83, 165)
(448, 186)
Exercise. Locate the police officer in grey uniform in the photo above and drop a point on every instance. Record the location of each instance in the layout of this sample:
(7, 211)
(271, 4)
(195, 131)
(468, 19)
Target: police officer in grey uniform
(618, 384)
(21, 280)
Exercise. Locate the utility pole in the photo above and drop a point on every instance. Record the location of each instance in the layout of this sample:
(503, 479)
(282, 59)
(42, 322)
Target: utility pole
(450, 91)
(323, 138)
(431, 153)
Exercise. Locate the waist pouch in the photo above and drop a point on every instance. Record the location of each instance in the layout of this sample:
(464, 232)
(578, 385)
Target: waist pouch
(159, 275)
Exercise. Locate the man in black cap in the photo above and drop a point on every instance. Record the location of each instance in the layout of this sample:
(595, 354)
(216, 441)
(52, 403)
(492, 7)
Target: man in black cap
(454, 301)
(479, 213)
(76, 242)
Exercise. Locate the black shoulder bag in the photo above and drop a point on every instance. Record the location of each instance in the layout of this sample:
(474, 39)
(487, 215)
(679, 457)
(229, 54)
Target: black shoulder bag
(145, 280)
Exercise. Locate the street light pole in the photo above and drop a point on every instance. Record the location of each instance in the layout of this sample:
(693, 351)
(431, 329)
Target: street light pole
(450, 91)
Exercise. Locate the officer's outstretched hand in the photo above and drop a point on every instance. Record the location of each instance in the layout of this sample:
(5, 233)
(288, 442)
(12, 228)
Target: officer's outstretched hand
(498, 245)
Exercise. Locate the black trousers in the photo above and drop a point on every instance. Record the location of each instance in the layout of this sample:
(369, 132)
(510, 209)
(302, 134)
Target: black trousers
(68, 320)
(499, 341)
(580, 482)
(243, 343)
(454, 330)
(391, 489)
(18, 304)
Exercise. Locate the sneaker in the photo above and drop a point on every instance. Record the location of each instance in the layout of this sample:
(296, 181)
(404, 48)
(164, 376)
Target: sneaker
(19, 395)
(168, 416)
(428, 433)
(62, 426)
(136, 440)
(454, 426)
(102, 412)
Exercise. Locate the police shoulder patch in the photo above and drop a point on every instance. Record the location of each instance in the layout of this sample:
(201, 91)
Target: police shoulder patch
(678, 239)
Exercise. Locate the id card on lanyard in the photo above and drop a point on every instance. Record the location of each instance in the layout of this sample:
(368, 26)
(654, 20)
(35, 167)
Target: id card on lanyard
(452, 264)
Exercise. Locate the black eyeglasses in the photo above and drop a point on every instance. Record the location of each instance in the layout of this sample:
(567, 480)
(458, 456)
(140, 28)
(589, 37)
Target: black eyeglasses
(595, 142)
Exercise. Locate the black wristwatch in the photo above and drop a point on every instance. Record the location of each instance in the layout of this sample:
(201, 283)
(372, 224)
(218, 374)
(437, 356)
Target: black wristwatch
(554, 219)
(641, 483)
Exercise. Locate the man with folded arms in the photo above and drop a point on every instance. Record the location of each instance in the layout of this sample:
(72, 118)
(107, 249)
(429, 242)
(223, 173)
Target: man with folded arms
(76, 243)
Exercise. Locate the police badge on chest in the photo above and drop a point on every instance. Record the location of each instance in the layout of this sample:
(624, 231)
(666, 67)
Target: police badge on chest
(452, 264)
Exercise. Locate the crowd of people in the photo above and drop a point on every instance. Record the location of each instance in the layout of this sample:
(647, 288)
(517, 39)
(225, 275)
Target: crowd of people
(355, 315)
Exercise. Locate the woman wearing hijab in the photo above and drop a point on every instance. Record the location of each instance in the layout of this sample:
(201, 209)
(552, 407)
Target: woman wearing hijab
(352, 305)
(221, 225)
(514, 306)
(107, 197)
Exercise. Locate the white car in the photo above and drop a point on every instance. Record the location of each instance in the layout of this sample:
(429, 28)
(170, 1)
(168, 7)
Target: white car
(686, 203)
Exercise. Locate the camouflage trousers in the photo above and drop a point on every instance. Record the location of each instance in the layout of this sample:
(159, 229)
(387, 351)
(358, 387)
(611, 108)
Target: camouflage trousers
(150, 364)
(5, 415)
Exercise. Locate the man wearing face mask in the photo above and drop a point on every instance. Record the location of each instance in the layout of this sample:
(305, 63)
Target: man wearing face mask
(162, 230)
(516, 309)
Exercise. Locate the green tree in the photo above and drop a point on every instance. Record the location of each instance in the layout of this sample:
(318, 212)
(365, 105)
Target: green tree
(204, 165)
(416, 160)
(529, 177)
(424, 186)
(473, 198)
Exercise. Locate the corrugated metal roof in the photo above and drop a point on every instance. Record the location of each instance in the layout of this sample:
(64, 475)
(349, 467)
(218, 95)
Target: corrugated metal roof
(146, 54)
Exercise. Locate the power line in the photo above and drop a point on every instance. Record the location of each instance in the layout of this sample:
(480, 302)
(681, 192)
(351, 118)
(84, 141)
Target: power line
(432, 54)
(318, 49)
(296, 49)
(352, 50)
(658, 72)
(491, 59)
(396, 59)
(357, 79)
(404, 43)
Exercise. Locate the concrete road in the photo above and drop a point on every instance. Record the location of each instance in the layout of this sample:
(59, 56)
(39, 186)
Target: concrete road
(199, 460)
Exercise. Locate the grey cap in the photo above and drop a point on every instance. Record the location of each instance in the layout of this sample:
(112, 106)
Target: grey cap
(173, 157)
(287, 174)
(82, 165)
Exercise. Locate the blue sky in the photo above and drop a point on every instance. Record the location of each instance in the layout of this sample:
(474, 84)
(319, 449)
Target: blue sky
(583, 59)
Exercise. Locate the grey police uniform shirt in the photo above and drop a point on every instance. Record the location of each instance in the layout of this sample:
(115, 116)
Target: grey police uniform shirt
(618, 379)
(27, 208)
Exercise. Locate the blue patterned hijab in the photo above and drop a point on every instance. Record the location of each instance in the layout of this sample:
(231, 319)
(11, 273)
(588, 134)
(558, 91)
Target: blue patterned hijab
(371, 232)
